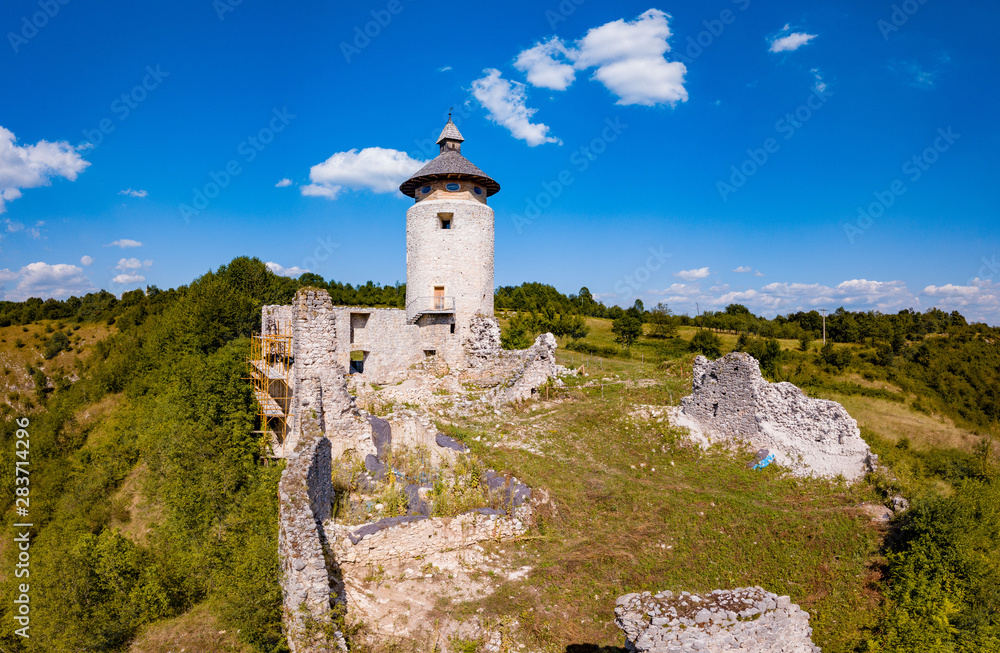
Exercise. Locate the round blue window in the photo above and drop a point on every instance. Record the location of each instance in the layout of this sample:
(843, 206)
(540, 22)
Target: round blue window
(479, 191)
(453, 186)
(425, 190)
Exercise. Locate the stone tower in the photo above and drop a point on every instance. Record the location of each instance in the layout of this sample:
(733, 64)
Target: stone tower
(449, 238)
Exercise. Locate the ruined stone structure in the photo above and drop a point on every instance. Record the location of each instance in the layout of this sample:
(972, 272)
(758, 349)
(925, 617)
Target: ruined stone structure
(309, 351)
(746, 619)
(731, 401)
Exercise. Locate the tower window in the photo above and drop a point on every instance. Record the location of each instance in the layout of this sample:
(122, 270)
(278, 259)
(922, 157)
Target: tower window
(478, 190)
(445, 219)
(425, 190)
(453, 186)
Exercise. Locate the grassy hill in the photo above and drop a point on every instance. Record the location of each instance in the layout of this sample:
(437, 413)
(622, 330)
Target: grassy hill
(155, 511)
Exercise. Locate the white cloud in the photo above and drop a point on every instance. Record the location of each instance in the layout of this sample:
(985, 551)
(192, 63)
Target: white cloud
(628, 58)
(127, 278)
(86, 260)
(126, 264)
(32, 166)
(124, 242)
(630, 62)
(294, 272)
(444, 69)
(17, 227)
(758, 273)
(818, 76)
(377, 169)
(743, 269)
(44, 280)
(542, 67)
(916, 75)
(128, 192)
(692, 275)
(506, 103)
(284, 183)
(789, 42)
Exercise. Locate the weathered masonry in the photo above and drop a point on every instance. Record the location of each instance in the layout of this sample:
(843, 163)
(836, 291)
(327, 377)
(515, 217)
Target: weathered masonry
(449, 296)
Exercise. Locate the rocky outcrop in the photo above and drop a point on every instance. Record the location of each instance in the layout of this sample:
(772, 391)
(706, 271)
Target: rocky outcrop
(746, 619)
(731, 401)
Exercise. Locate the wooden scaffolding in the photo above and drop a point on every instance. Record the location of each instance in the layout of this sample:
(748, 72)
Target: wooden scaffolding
(270, 370)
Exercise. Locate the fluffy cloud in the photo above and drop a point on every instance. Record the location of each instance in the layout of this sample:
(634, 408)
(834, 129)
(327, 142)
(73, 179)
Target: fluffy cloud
(743, 269)
(692, 275)
(44, 280)
(128, 192)
(129, 268)
(132, 264)
(284, 183)
(86, 260)
(543, 67)
(978, 301)
(124, 242)
(377, 169)
(506, 103)
(293, 272)
(128, 278)
(627, 57)
(788, 41)
(32, 166)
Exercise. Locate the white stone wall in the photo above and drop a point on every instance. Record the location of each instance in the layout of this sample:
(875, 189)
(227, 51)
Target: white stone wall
(459, 258)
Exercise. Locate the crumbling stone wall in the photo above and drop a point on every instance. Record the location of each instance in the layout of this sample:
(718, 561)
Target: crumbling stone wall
(418, 536)
(748, 619)
(732, 401)
(306, 493)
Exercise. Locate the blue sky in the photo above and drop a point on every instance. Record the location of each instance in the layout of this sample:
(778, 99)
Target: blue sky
(783, 155)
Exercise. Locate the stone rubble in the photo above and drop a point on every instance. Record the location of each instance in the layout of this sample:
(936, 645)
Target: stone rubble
(732, 402)
(747, 619)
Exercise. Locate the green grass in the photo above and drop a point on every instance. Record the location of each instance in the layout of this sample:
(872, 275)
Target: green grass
(700, 521)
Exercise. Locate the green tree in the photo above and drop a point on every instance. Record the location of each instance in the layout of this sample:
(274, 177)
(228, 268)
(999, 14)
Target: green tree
(707, 343)
(627, 330)
(662, 320)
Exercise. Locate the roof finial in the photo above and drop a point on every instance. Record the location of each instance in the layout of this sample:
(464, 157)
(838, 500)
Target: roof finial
(449, 112)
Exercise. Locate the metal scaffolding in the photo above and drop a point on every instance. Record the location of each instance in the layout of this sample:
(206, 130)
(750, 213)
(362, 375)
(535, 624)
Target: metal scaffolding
(270, 370)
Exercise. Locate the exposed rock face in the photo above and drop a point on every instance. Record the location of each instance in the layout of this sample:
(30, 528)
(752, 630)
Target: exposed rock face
(732, 401)
(744, 619)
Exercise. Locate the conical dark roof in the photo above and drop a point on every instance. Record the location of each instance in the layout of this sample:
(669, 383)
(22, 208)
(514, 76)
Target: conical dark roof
(450, 164)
